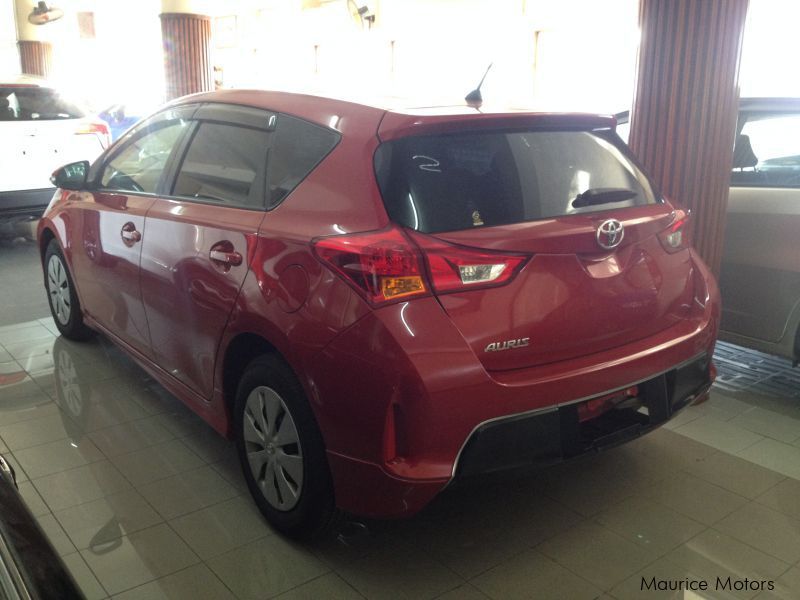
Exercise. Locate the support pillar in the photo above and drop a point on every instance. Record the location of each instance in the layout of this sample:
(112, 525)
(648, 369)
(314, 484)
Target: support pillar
(187, 51)
(35, 50)
(685, 106)
(36, 58)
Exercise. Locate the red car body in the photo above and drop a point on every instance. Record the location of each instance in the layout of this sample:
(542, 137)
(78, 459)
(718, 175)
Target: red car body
(406, 395)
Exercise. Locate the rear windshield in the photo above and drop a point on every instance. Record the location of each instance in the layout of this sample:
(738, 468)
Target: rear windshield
(35, 104)
(452, 182)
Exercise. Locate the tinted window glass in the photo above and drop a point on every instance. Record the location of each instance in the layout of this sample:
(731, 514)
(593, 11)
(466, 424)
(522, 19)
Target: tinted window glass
(138, 165)
(299, 147)
(767, 152)
(225, 164)
(35, 104)
(446, 183)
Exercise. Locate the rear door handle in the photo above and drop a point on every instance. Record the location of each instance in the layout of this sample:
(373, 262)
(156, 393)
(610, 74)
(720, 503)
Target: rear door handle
(227, 258)
(129, 233)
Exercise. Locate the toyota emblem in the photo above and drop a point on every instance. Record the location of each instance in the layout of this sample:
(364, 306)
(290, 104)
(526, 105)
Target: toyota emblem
(610, 234)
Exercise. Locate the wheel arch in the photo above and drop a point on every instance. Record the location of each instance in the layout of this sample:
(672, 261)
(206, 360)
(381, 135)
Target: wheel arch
(240, 351)
(46, 235)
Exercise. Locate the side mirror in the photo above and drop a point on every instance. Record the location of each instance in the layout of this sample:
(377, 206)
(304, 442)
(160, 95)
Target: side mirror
(71, 176)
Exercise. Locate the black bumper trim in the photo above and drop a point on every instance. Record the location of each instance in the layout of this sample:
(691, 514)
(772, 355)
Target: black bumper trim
(556, 434)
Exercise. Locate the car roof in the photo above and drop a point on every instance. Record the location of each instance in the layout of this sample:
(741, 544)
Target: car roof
(750, 104)
(769, 104)
(396, 117)
(26, 80)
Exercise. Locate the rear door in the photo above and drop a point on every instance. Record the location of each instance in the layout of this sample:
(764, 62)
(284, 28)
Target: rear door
(110, 225)
(760, 275)
(517, 192)
(200, 233)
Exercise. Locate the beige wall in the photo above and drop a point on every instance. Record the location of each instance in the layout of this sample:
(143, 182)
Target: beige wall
(430, 50)
(9, 55)
(437, 50)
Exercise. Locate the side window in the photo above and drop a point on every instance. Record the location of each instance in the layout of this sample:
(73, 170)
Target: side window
(767, 152)
(225, 164)
(138, 165)
(299, 146)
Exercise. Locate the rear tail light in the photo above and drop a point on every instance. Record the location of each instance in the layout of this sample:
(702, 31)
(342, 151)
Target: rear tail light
(676, 236)
(385, 266)
(454, 268)
(99, 128)
(382, 265)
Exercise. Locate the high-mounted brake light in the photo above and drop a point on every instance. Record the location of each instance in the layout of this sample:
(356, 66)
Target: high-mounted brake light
(676, 237)
(453, 267)
(382, 265)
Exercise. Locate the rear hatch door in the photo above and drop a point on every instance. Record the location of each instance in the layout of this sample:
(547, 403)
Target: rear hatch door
(514, 191)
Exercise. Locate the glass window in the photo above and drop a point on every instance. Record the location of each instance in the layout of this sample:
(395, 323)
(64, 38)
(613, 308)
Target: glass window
(19, 103)
(225, 164)
(767, 152)
(452, 182)
(299, 147)
(138, 165)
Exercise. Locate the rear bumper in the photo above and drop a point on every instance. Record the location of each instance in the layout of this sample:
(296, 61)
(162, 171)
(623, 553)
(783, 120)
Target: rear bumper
(24, 203)
(404, 403)
(552, 435)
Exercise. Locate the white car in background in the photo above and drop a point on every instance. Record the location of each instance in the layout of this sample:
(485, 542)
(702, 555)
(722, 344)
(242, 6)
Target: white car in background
(40, 130)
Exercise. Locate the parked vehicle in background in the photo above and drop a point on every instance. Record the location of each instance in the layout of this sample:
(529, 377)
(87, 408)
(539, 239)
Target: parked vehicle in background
(760, 274)
(29, 566)
(40, 130)
(121, 117)
(377, 302)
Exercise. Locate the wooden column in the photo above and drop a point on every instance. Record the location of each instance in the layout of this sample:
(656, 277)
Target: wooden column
(187, 53)
(683, 121)
(36, 58)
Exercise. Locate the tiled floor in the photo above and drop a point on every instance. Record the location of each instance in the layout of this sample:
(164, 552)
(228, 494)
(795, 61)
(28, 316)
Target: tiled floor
(21, 295)
(143, 500)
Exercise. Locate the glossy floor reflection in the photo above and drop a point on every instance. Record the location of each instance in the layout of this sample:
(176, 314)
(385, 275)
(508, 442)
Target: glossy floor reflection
(144, 500)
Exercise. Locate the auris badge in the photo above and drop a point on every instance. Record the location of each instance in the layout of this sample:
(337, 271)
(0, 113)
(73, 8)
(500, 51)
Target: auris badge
(610, 234)
(508, 345)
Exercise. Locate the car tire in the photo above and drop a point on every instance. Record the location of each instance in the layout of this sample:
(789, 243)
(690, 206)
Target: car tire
(63, 299)
(281, 451)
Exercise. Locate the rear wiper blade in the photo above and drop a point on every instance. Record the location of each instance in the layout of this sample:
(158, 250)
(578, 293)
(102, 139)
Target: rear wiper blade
(594, 196)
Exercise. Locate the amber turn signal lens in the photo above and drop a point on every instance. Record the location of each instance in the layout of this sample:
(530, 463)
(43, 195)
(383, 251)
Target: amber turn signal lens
(395, 287)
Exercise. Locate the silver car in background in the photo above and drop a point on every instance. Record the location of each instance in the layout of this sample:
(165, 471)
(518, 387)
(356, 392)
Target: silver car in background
(760, 273)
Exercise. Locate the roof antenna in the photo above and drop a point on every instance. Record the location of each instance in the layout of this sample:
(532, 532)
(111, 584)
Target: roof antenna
(475, 97)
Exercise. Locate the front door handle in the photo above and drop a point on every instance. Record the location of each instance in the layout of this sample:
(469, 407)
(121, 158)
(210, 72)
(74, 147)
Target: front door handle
(129, 234)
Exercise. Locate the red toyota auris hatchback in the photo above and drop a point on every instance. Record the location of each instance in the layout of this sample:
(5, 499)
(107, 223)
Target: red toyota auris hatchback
(374, 303)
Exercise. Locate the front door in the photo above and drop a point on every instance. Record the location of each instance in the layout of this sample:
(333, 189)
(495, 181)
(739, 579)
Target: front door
(199, 238)
(112, 229)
